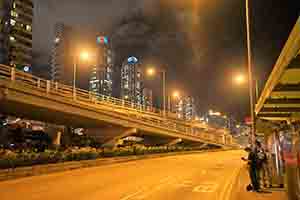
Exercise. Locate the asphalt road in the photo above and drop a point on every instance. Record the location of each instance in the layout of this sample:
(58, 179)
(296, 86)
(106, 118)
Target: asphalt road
(207, 176)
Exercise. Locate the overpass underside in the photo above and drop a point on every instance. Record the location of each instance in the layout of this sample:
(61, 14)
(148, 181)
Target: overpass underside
(51, 105)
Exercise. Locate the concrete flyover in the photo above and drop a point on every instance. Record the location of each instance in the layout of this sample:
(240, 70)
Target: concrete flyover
(28, 96)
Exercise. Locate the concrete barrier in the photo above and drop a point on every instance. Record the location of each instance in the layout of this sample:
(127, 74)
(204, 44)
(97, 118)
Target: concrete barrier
(20, 172)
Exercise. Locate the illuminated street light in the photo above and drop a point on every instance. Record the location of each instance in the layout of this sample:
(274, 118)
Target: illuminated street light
(240, 79)
(84, 55)
(176, 94)
(151, 71)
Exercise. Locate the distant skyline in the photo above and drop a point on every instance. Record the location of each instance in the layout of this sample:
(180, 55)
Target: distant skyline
(210, 36)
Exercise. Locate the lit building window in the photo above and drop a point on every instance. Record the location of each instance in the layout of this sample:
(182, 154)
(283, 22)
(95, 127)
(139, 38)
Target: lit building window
(14, 5)
(108, 60)
(11, 38)
(14, 13)
(57, 39)
(12, 22)
(28, 28)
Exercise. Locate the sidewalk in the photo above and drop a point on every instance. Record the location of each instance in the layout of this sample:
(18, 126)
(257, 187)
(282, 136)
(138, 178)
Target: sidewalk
(240, 191)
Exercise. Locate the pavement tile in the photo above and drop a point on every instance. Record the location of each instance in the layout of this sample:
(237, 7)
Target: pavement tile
(241, 192)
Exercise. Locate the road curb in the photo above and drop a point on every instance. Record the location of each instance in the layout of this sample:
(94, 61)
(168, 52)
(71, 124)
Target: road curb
(14, 173)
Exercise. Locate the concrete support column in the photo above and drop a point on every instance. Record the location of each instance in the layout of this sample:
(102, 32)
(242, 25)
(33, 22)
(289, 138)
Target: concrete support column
(55, 132)
(224, 139)
(109, 136)
(48, 86)
(39, 83)
(174, 142)
(57, 138)
(13, 74)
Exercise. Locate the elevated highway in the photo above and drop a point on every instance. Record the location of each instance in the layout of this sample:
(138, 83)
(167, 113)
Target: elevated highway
(28, 96)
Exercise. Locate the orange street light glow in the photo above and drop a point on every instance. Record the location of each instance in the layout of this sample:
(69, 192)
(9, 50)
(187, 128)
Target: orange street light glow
(151, 71)
(176, 94)
(84, 55)
(240, 79)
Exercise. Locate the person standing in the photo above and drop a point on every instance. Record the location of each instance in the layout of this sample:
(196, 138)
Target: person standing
(266, 176)
(262, 165)
(252, 167)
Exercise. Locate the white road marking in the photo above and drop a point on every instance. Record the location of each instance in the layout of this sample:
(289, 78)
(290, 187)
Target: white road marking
(143, 193)
(132, 195)
(206, 188)
(184, 184)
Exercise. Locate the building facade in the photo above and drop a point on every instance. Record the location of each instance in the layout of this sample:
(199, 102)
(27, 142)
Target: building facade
(185, 108)
(131, 81)
(16, 32)
(101, 78)
(61, 58)
(190, 108)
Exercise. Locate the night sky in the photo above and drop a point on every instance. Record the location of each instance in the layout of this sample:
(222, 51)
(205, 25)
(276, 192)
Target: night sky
(202, 44)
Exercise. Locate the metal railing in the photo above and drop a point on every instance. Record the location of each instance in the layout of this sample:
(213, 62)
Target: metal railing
(136, 112)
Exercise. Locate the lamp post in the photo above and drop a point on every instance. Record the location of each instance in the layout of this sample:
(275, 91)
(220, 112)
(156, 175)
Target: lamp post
(250, 82)
(253, 95)
(151, 72)
(83, 56)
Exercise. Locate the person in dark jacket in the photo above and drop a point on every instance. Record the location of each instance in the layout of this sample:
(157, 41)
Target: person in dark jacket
(252, 167)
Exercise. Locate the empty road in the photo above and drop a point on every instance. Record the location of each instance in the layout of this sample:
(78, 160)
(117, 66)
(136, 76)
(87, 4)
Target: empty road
(206, 176)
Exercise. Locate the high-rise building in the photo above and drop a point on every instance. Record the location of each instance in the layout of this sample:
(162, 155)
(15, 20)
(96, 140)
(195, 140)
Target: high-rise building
(185, 108)
(16, 32)
(190, 109)
(131, 81)
(61, 58)
(101, 78)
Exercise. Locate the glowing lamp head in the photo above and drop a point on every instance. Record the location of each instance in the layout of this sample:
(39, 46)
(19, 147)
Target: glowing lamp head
(84, 55)
(151, 71)
(239, 79)
(176, 94)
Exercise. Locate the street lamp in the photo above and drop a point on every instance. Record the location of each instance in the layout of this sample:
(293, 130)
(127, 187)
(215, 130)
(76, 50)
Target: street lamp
(250, 82)
(151, 72)
(84, 55)
(176, 94)
(240, 79)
